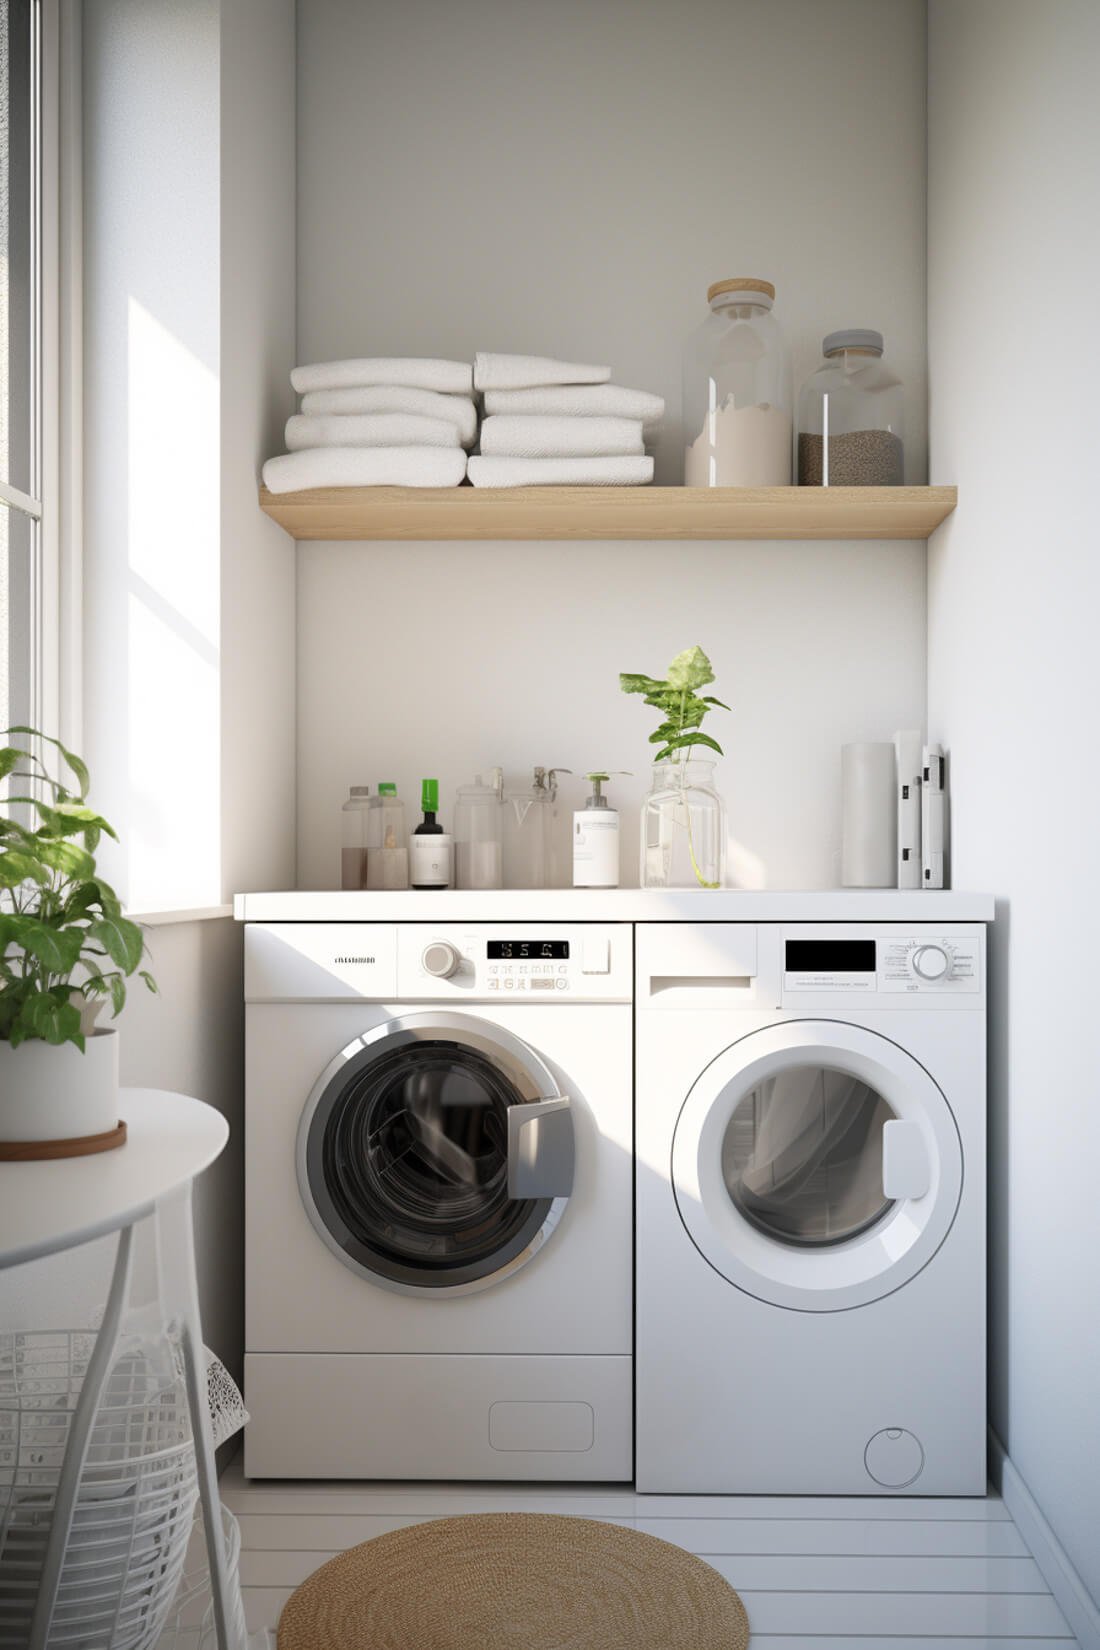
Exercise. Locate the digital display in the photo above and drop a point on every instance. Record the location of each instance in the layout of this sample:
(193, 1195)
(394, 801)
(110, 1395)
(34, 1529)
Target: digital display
(830, 956)
(527, 950)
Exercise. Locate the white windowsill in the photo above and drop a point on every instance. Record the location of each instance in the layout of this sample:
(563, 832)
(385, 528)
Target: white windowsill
(195, 913)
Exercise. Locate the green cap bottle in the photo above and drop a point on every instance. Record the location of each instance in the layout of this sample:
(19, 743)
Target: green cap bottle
(387, 788)
(429, 795)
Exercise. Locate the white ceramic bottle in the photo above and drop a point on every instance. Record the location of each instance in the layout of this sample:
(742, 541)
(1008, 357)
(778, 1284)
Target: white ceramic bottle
(596, 839)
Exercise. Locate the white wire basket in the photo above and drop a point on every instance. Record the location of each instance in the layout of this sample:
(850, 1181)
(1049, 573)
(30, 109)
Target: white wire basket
(190, 1624)
(135, 1501)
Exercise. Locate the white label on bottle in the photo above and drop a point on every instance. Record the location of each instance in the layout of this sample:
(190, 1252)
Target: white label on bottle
(596, 848)
(430, 861)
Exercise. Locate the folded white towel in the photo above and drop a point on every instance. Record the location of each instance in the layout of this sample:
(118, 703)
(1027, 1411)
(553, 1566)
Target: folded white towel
(527, 437)
(451, 377)
(393, 398)
(560, 472)
(365, 467)
(369, 430)
(518, 372)
(575, 401)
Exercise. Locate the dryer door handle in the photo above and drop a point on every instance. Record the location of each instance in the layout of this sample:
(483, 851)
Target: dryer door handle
(905, 1168)
(541, 1151)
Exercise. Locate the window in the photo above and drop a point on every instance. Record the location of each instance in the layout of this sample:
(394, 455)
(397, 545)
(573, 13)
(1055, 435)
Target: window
(28, 202)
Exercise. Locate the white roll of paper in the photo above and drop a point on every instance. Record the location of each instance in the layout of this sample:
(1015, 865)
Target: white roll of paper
(868, 847)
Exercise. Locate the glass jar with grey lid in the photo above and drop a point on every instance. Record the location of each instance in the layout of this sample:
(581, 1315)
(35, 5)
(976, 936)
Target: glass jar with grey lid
(850, 416)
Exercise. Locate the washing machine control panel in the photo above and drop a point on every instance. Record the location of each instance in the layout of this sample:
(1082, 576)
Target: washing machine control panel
(928, 963)
(867, 961)
(506, 962)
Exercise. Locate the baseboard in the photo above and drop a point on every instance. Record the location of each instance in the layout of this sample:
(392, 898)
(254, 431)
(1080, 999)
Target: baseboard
(1070, 1593)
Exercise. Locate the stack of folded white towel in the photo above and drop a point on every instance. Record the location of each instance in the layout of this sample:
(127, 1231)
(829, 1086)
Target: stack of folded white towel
(558, 423)
(384, 421)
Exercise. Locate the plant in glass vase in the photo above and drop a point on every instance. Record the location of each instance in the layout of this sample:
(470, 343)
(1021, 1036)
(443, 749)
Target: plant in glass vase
(65, 948)
(683, 818)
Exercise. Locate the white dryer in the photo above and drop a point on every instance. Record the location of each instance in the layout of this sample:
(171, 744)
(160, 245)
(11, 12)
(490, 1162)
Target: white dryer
(811, 1258)
(439, 1201)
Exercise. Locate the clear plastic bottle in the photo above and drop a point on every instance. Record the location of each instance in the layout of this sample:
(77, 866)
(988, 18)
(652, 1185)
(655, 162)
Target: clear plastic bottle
(737, 391)
(683, 828)
(850, 416)
(353, 837)
(479, 833)
(387, 841)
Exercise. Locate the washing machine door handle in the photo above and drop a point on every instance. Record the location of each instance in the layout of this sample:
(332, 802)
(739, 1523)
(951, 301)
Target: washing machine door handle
(541, 1151)
(905, 1168)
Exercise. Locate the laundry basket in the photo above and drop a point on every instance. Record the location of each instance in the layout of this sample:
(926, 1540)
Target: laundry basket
(135, 1500)
(190, 1624)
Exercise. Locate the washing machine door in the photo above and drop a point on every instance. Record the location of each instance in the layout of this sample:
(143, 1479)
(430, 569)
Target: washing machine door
(816, 1165)
(435, 1154)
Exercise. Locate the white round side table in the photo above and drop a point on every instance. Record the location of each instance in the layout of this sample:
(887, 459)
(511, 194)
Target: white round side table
(46, 1207)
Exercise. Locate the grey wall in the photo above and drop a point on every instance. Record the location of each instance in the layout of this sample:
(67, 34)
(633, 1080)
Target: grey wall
(1014, 589)
(568, 179)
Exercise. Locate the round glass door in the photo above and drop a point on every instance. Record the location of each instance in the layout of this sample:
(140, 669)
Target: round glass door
(403, 1155)
(802, 1155)
(816, 1165)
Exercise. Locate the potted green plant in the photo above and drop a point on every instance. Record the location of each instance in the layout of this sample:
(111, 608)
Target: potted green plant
(65, 949)
(683, 817)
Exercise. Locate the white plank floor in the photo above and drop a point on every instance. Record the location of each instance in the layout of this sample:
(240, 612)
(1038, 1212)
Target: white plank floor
(815, 1574)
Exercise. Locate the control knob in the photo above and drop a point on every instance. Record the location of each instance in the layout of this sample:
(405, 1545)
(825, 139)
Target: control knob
(441, 959)
(931, 962)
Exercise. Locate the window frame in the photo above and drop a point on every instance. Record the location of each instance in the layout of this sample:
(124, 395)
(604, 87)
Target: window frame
(54, 508)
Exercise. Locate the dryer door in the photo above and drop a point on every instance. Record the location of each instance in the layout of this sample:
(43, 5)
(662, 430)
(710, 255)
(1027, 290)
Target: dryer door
(816, 1165)
(435, 1154)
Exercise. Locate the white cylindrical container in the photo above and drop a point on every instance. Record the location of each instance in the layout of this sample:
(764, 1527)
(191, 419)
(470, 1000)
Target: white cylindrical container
(596, 839)
(54, 1092)
(868, 851)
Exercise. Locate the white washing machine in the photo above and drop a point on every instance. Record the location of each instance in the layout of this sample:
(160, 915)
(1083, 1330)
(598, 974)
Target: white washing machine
(439, 1201)
(811, 1112)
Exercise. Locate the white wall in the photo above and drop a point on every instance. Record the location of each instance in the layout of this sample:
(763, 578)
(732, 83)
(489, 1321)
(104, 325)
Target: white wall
(189, 623)
(257, 776)
(1014, 590)
(568, 179)
(152, 624)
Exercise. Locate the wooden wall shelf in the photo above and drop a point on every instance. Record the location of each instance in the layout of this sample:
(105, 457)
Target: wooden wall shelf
(611, 512)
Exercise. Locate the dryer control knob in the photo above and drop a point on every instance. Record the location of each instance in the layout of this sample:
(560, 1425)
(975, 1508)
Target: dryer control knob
(931, 962)
(441, 959)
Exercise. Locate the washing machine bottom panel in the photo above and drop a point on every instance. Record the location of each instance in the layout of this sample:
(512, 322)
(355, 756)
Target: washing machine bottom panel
(785, 1403)
(336, 1415)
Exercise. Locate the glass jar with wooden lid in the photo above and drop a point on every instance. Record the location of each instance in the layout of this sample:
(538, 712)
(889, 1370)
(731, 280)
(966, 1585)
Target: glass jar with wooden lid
(737, 395)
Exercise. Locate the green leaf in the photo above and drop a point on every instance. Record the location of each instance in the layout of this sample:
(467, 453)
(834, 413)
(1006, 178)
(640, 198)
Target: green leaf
(687, 739)
(151, 984)
(53, 1019)
(17, 867)
(707, 700)
(10, 757)
(117, 987)
(66, 857)
(630, 683)
(121, 939)
(74, 762)
(690, 669)
(57, 949)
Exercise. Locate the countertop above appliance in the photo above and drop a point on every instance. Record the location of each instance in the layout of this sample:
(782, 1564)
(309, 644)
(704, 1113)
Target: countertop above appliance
(618, 905)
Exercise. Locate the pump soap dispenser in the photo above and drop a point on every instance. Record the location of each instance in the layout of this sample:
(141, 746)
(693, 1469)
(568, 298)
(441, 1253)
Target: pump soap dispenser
(596, 838)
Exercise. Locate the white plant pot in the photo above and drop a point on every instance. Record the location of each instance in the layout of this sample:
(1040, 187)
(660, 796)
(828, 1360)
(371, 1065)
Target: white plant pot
(54, 1092)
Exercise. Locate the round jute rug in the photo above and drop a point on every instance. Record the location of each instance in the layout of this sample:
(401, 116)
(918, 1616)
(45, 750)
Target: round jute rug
(514, 1581)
